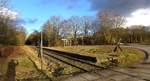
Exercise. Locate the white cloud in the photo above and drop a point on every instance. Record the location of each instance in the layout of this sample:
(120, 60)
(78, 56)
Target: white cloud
(139, 17)
(5, 12)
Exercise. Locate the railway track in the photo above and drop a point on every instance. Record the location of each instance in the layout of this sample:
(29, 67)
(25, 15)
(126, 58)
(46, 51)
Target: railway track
(77, 63)
(90, 59)
(83, 65)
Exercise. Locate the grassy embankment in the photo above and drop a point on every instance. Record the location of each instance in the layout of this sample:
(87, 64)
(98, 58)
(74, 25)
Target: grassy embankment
(29, 65)
(26, 69)
(127, 57)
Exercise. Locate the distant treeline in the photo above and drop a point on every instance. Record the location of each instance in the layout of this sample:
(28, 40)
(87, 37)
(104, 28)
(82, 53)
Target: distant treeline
(107, 28)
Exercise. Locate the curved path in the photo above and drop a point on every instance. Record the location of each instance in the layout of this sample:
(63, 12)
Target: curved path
(139, 72)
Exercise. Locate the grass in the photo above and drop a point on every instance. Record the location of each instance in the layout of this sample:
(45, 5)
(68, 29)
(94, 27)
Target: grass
(127, 57)
(130, 56)
(25, 69)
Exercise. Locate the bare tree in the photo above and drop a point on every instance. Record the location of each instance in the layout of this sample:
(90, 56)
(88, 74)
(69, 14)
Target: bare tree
(4, 10)
(55, 23)
(86, 25)
(66, 30)
(49, 34)
(103, 31)
(51, 31)
(118, 21)
(75, 25)
(110, 24)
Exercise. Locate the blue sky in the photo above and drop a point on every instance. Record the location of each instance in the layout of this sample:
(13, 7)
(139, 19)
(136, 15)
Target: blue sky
(36, 12)
(33, 13)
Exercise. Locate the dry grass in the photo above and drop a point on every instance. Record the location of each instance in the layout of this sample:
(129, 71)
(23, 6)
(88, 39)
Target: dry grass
(7, 50)
(127, 57)
(26, 68)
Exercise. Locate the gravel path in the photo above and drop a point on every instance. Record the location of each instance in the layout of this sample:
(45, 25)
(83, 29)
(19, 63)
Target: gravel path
(139, 72)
